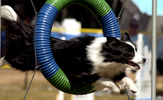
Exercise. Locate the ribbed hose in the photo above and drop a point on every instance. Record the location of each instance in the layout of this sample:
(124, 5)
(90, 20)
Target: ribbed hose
(49, 67)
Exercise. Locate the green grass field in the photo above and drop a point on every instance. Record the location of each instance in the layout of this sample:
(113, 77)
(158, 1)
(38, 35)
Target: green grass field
(12, 88)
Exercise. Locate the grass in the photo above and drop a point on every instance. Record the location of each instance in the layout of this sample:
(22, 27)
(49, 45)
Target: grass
(12, 88)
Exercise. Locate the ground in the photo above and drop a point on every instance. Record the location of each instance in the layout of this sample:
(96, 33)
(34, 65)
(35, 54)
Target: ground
(12, 87)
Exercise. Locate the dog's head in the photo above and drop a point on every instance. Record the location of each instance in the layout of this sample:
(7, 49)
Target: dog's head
(122, 51)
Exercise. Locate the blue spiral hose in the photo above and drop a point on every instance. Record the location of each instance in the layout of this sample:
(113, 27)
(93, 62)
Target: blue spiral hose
(49, 67)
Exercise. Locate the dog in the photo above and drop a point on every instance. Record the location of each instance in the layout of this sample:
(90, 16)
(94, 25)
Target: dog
(100, 61)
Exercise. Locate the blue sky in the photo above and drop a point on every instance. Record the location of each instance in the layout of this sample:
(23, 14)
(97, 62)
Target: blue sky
(145, 6)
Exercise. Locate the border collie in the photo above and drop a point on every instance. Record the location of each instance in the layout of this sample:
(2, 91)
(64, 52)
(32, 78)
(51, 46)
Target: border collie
(99, 61)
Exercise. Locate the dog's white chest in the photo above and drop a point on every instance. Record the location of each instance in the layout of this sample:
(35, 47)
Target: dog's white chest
(110, 71)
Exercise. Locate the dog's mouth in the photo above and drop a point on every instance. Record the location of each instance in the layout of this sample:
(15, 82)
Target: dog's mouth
(134, 65)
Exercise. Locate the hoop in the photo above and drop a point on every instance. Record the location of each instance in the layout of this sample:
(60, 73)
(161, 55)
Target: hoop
(46, 16)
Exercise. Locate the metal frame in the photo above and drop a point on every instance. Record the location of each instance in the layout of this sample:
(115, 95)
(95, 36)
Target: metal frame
(153, 60)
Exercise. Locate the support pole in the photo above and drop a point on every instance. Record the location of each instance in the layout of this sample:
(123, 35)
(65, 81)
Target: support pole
(153, 83)
(0, 31)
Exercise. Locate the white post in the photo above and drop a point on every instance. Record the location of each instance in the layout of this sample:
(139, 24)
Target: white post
(84, 97)
(61, 95)
(153, 77)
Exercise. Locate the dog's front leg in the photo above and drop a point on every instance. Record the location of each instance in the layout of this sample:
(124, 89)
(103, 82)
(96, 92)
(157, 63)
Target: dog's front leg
(127, 82)
(103, 83)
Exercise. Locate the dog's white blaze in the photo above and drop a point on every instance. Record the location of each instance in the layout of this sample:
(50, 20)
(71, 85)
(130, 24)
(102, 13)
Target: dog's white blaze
(131, 45)
(105, 69)
(137, 58)
(93, 51)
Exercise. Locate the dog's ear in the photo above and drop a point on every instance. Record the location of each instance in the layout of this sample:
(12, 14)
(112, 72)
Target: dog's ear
(125, 37)
(110, 39)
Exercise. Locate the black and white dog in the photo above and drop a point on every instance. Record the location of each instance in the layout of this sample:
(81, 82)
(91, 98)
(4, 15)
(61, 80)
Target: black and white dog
(99, 61)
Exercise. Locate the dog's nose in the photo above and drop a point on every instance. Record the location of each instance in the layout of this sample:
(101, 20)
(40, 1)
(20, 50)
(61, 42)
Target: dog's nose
(144, 60)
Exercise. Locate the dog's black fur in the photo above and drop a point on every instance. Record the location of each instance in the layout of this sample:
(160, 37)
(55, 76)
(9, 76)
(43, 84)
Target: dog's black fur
(98, 61)
(71, 55)
(18, 48)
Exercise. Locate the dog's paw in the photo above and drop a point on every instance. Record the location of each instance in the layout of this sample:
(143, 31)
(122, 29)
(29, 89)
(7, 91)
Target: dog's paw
(8, 13)
(133, 89)
(127, 82)
(115, 90)
(105, 83)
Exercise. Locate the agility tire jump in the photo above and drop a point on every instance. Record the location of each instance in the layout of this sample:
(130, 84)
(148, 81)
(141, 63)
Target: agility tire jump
(45, 19)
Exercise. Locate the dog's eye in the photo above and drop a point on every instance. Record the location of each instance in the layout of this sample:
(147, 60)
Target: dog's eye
(130, 53)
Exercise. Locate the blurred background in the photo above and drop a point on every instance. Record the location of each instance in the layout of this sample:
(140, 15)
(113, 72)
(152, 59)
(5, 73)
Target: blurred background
(136, 19)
